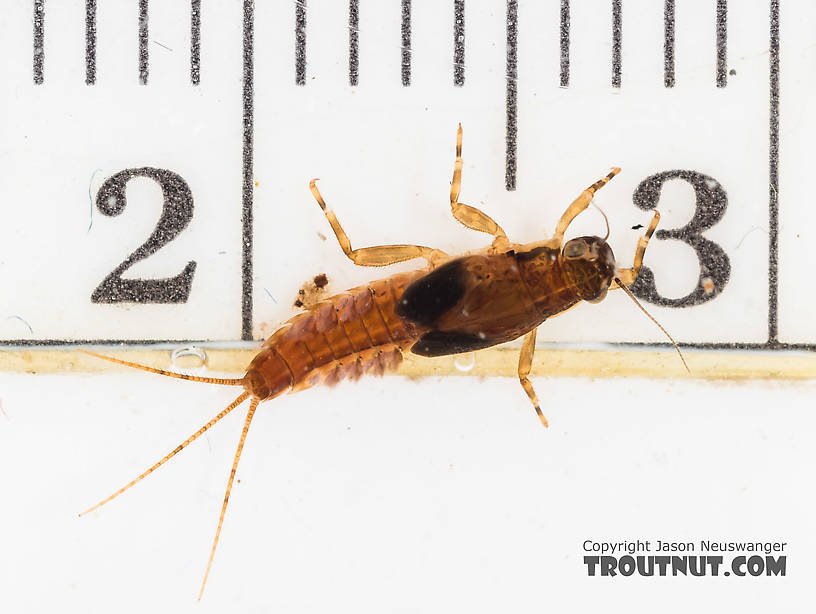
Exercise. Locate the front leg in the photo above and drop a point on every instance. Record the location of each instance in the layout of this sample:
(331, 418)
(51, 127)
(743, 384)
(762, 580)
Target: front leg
(628, 276)
(579, 205)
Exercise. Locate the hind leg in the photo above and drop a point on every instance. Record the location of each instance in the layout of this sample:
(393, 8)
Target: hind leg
(380, 255)
(524, 367)
(468, 216)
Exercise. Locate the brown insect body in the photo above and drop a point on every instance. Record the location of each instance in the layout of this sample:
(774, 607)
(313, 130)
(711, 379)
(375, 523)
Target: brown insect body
(468, 303)
(453, 305)
(348, 335)
(491, 298)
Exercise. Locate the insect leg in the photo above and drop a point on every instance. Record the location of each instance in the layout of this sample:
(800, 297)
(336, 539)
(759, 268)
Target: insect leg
(524, 366)
(579, 204)
(465, 214)
(628, 276)
(178, 449)
(253, 405)
(380, 255)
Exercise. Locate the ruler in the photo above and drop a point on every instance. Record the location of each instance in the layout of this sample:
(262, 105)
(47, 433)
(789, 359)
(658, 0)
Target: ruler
(157, 157)
(154, 189)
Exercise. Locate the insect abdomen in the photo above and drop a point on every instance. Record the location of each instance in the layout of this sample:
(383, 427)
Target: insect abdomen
(344, 337)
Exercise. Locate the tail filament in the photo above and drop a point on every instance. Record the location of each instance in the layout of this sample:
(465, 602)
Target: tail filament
(179, 448)
(253, 405)
(191, 378)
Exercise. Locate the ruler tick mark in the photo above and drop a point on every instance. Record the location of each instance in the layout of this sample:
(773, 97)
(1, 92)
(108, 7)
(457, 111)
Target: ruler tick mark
(406, 42)
(39, 40)
(512, 96)
(773, 181)
(300, 42)
(722, 37)
(617, 39)
(354, 42)
(143, 48)
(247, 192)
(668, 43)
(195, 42)
(459, 43)
(90, 42)
(565, 42)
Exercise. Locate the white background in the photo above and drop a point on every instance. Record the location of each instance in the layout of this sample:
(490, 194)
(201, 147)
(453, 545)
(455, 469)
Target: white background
(392, 495)
(398, 496)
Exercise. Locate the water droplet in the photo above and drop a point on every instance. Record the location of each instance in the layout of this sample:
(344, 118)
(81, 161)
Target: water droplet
(465, 362)
(199, 357)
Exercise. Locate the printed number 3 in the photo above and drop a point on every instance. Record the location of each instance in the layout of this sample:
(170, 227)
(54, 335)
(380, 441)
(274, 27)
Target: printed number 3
(710, 204)
(177, 211)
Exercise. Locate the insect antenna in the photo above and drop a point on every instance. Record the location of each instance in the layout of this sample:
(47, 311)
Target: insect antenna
(243, 397)
(253, 405)
(643, 309)
(606, 219)
(192, 378)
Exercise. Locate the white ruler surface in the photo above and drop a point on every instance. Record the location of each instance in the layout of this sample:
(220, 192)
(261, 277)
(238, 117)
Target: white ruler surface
(156, 157)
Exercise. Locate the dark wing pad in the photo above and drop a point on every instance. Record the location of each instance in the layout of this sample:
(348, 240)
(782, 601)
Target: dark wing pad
(428, 298)
(443, 343)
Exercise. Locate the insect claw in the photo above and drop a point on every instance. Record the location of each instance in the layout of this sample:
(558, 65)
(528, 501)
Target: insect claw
(316, 193)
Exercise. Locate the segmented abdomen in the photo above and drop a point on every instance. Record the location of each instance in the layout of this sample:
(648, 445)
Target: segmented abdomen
(345, 337)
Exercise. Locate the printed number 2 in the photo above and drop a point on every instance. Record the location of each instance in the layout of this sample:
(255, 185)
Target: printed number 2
(715, 267)
(177, 211)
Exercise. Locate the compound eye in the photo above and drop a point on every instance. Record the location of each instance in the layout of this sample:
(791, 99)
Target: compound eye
(575, 249)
